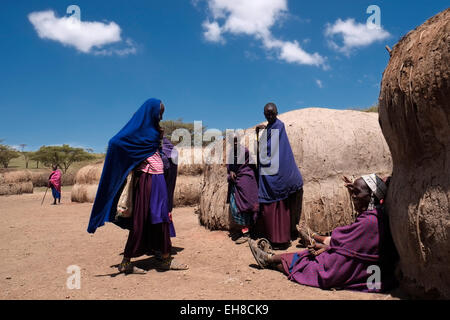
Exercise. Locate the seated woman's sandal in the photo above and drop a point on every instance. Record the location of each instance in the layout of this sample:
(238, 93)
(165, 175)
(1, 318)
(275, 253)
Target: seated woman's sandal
(262, 257)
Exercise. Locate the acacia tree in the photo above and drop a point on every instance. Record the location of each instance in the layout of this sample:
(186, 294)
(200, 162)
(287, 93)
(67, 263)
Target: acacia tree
(170, 126)
(63, 156)
(7, 153)
(26, 154)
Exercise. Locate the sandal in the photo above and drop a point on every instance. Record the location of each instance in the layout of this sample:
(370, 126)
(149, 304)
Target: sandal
(242, 239)
(125, 267)
(265, 245)
(172, 264)
(128, 268)
(261, 257)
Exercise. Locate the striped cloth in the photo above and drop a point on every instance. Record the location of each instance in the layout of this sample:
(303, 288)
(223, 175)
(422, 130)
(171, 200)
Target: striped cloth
(153, 164)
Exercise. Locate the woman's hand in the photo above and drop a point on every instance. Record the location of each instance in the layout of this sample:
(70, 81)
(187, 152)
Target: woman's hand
(260, 127)
(348, 183)
(233, 176)
(346, 180)
(317, 248)
(161, 132)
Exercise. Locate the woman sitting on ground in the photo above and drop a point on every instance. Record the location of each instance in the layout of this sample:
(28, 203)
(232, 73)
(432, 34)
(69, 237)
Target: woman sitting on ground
(342, 261)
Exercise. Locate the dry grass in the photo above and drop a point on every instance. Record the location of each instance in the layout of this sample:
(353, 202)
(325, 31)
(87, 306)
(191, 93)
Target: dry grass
(15, 182)
(187, 190)
(16, 188)
(83, 193)
(89, 174)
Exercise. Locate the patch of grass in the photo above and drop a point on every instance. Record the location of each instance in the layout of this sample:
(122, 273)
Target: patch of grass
(373, 108)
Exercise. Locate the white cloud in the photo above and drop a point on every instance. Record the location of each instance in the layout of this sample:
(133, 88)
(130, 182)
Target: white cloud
(319, 83)
(255, 18)
(354, 35)
(213, 32)
(87, 37)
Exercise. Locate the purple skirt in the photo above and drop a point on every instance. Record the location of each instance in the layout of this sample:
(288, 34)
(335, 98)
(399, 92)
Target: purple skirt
(276, 221)
(152, 227)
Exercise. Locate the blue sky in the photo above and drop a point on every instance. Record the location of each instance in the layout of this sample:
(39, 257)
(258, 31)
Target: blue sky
(212, 60)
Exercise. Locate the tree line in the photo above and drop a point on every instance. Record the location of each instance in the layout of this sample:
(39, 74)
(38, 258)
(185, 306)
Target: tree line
(62, 156)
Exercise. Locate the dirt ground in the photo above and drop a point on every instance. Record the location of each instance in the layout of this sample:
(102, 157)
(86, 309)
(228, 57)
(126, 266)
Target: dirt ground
(38, 244)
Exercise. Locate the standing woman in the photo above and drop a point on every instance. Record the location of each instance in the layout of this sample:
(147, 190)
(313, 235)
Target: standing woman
(242, 191)
(138, 146)
(281, 188)
(54, 182)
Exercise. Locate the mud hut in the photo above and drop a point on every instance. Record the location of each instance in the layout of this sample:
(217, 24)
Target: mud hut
(415, 118)
(327, 144)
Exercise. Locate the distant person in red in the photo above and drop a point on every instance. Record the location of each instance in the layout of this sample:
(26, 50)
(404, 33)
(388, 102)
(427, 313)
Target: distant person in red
(54, 182)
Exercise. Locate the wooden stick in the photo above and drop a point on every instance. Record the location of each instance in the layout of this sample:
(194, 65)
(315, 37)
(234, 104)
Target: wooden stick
(44, 196)
(389, 50)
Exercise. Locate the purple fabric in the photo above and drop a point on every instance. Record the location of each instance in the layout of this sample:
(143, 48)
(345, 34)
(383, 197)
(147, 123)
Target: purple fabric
(246, 187)
(344, 265)
(276, 221)
(169, 156)
(288, 179)
(144, 235)
(158, 200)
(169, 152)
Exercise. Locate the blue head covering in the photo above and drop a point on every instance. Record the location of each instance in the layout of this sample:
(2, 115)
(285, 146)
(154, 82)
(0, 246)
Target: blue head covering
(137, 141)
(287, 179)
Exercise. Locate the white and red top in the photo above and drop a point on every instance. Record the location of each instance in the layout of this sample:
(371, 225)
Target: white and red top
(153, 164)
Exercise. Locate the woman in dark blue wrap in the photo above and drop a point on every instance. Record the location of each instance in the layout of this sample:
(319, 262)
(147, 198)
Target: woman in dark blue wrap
(137, 147)
(280, 182)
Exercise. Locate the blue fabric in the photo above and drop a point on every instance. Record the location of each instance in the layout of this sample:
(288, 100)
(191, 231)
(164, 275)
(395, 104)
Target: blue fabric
(138, 140)
(288, 179)
(240, 218)
(295, 258)
(56, 193)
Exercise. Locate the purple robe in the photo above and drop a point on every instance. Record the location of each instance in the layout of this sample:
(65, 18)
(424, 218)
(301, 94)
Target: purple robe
(246, 187)
(149, 225)
(345, 264)
(288, 178)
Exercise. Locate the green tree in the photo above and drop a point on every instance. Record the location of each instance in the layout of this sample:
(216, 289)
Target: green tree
(170, 126)
(7, 153)
(62, 156)
(25, 154)
(32, 156)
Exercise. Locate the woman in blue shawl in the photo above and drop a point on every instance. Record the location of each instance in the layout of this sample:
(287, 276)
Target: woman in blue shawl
(280, 182)
(133, 147)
